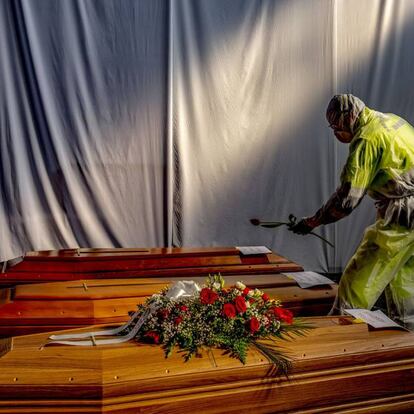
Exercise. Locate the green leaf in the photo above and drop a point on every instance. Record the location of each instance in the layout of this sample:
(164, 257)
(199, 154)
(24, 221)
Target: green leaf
(275, 356)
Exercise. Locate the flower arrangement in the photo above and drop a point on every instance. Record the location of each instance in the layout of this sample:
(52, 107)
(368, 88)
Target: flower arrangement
(232, 319)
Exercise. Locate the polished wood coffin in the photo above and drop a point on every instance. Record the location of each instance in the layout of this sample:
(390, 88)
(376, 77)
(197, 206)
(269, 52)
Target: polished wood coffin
(336, 369)
(63, 305)
(75, 264)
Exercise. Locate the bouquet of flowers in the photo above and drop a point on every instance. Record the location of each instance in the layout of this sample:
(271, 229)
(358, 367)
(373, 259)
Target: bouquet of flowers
(232, 319)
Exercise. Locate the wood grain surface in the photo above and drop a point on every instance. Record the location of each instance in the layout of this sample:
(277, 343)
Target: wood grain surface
(336, 369)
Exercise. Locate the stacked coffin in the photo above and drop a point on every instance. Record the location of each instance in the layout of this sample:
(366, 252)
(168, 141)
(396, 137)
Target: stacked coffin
(336, 369)
(75, 264)
(103, 285)
(63, 305)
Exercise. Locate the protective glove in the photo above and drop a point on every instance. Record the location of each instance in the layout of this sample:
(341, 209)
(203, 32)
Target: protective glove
(301, 227)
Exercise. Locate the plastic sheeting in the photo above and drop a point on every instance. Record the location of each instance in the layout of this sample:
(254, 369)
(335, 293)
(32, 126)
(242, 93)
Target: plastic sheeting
(132, 123)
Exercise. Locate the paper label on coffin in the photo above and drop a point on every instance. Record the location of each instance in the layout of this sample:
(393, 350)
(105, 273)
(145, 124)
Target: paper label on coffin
(309, 279)
(251, 250)
(376, 319)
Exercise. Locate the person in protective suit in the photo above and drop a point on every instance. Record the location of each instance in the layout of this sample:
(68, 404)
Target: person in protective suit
(380, 163)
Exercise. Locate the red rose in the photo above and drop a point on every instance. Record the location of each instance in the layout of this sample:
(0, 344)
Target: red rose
(178, 320)
(252, 300)
(229, 310)
(246, 291)
(183, 308)
(153, 336)
(265, 297)
(253, 325)
(284, 315)
(240, 304)
(163, 313)
(207, 296)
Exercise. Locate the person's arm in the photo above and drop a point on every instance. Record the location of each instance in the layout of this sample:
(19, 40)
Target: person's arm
(357, 175)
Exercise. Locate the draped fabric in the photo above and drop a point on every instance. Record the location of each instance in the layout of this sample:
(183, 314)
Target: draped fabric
(82, 118)
(155, 122)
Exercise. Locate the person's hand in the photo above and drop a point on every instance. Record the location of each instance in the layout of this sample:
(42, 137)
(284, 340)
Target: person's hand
(301, 227)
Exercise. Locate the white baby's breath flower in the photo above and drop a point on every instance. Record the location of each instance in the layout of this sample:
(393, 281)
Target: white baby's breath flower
(240, 285)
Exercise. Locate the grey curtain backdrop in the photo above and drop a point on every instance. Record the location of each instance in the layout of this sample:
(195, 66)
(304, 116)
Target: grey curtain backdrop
(155, 122)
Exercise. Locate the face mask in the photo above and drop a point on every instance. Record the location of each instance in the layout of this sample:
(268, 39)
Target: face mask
(343, 136)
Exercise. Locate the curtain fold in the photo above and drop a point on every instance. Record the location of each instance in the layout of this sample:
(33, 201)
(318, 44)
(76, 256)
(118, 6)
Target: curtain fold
(83, 112)
(251, 81)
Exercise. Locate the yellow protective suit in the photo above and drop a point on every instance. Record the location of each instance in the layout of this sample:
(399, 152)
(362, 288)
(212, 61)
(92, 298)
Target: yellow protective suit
(384, 262)
(380, 163)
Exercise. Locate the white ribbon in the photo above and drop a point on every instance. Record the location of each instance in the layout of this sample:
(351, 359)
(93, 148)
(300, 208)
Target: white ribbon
(181, 289)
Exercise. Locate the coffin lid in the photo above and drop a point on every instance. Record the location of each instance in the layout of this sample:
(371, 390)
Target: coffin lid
(341, 363)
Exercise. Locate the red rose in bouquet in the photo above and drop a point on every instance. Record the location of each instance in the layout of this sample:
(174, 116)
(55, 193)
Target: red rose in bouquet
(207, 296)
(153, 337)
(253, 325)
(229, 310)
(246, 291)
(284, 315)
(163, 313)
(178, 320)
(265, 297)
(240, 304)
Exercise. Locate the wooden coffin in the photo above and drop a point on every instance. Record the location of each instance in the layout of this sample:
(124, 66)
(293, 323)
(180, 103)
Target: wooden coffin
(63, 305)
(75, 264)
(336, 369)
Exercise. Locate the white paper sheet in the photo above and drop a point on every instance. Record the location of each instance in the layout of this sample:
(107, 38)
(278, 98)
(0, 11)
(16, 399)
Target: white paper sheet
(309, 279)
(376, 319)
(250, 250)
